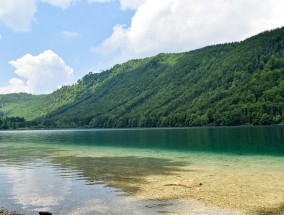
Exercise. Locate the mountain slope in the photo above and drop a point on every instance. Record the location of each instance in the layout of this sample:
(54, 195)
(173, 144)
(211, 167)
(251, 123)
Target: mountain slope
(19, 104)
(230, 84)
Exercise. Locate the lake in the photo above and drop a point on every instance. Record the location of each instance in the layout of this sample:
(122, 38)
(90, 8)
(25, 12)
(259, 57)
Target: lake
(213, 170)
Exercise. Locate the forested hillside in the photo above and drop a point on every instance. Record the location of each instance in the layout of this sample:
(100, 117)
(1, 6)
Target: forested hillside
(229, 84)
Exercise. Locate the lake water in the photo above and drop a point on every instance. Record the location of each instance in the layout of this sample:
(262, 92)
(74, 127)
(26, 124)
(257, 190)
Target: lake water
(127, 171)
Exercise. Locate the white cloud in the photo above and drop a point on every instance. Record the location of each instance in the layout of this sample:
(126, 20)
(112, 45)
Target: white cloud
(15, 86)
(99, 1)
(131, 4)
(125, 4)
(70, 34)
(182, 25)
(17, 15)
(39, 74)
(59, 3)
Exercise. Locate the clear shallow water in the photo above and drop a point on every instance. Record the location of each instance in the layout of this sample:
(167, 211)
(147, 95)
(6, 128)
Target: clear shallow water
(44, 188)
(66, 171)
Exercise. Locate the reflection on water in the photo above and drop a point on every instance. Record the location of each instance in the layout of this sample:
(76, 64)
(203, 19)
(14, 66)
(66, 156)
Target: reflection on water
(36, 187)
(43, 189)
(67, 171)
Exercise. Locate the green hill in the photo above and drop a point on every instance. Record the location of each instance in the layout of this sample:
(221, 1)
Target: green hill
(229, 84)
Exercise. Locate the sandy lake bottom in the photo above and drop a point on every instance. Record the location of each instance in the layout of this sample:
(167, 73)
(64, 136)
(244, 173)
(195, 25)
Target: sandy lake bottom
(249, 184)
(96, 179)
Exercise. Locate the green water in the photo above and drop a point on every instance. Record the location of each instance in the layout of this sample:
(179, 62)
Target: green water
(235, 140)
(66, 171)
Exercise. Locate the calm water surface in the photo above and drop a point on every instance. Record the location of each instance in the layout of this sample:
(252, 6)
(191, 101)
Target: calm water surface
(67, 171)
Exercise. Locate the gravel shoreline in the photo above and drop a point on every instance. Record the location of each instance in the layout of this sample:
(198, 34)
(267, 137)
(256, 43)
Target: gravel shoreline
(4, 211)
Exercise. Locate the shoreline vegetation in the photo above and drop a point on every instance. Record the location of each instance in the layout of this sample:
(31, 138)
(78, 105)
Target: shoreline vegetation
(19, 123)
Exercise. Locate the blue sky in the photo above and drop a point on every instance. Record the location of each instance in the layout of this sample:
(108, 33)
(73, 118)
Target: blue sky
(45, 44)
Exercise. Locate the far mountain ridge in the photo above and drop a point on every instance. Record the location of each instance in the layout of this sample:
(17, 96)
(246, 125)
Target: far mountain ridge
(239, 83)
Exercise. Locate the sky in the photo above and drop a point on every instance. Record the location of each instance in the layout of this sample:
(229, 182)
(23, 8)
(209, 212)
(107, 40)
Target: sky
(46, 44)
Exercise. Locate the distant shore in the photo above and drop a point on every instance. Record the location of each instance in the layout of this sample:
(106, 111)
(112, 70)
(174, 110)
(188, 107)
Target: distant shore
(133, 128)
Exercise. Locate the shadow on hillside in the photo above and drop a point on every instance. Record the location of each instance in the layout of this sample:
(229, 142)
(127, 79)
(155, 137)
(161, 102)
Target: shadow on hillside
(125, 173)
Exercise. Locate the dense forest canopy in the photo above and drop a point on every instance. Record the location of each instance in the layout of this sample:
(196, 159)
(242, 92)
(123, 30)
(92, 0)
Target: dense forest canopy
(229, 84)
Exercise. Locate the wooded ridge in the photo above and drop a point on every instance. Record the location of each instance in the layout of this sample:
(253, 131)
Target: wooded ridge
(239, 83)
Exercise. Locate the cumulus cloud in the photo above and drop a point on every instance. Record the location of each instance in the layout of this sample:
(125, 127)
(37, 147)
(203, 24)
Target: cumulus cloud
(70, 34)
(99, 1)
(125, 4)
(15, 85)
(131, 4)
(39, 74)
(59, 3)
(182, 25)
(18, 15)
